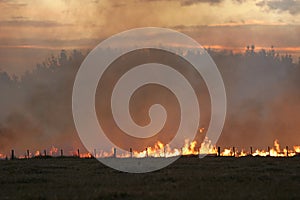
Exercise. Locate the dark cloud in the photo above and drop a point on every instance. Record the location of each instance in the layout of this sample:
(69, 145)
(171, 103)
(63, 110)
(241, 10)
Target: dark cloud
(189, 2)
(32, 23)
(192, 2)
(18, 18)
(5, 1)
(12, 3)
(291, 6)
(239, 1)
(117, 5)
(50, 43)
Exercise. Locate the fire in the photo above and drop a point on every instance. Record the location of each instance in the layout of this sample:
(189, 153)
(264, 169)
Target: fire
(37, 153)
(189, 148)
(53, 151)
(161, 150)
(206, 147)
(2, 156)
(86, 155)
(227, 152)
(276, 151)
(297, 149)
(260, 153)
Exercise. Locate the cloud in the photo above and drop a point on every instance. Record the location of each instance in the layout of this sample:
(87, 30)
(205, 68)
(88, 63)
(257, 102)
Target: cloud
(262, 35)
(192, 2)
(239, 1)
(32, 23)
(292, 6)
(5, 1)
(13, 3)
(18, 17)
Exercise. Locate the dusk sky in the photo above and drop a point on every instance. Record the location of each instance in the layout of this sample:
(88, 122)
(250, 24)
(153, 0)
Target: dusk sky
(33, 30)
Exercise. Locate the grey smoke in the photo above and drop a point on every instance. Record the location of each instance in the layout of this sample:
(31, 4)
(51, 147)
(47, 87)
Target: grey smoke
(262, 91)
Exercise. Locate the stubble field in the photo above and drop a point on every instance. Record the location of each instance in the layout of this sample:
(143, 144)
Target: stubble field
(187, 178)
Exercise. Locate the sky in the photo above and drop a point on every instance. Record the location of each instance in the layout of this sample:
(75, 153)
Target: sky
(32, 30)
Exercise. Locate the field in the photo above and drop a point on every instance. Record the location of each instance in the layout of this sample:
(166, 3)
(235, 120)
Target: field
(187, 178)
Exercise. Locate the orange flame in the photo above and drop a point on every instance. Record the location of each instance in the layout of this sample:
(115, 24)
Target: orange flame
(53, 151)
(189, 148)
(37, 153)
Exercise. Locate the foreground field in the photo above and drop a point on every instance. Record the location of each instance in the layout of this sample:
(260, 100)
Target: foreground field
(187, 178)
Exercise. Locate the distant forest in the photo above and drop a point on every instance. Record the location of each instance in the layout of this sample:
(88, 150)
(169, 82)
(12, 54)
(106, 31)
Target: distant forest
(70, 62)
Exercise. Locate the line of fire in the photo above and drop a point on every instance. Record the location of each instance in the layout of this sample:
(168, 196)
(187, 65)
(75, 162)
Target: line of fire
(160, 150)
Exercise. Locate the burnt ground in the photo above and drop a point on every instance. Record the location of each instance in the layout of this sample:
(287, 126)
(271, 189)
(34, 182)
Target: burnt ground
(187, 178)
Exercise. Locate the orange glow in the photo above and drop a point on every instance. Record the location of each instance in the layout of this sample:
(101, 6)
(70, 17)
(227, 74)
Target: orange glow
(201, 130)
(189, 148)
(53, 151)
(297, 149)
(235, 49)
(37, 153)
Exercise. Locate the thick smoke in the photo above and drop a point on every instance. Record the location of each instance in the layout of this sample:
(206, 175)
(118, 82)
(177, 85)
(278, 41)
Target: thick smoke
(262, 91)
(36, 110)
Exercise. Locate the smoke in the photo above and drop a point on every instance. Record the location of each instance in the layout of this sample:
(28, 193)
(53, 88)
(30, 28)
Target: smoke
(262, 99)
(262, 91)
(36, 107)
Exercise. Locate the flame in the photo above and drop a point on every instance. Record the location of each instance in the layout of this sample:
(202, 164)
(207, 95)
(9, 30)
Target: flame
(297, 149)
(161, 150)
(2, 156)
(189, 148)
(207, 148)
(53, 151)
(86, 155)
(201, 130)
(37, 153)
(227, 152)
(276, 151)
